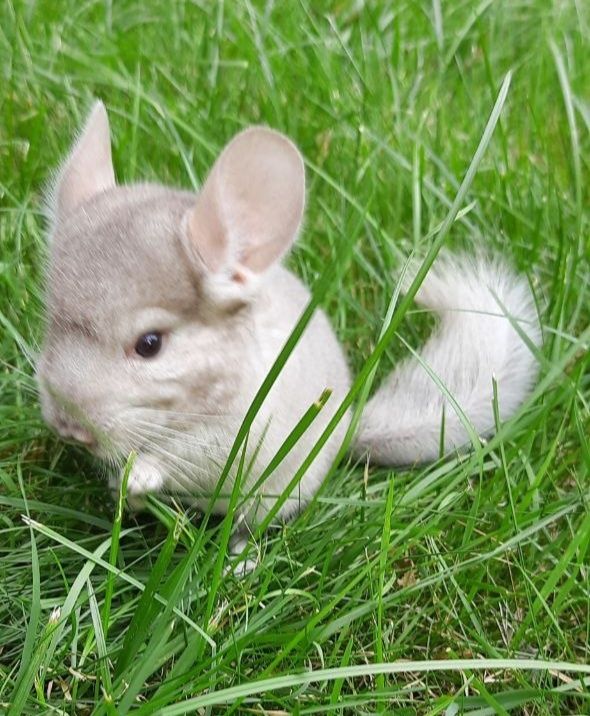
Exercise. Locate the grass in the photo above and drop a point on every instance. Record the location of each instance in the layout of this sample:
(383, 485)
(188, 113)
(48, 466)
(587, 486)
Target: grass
(460, 587)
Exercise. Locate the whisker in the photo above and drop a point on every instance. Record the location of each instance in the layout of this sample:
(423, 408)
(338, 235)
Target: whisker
(157, 448)
(182, 414)
(183, 437)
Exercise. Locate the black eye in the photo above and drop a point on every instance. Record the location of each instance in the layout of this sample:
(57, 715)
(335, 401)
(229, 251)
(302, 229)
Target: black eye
(149, 344)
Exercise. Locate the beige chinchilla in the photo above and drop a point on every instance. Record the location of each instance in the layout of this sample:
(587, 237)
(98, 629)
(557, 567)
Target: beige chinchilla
(166, 309)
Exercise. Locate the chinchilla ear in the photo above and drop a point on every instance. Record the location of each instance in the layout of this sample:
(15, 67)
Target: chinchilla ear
(88, 170)
(249, 210)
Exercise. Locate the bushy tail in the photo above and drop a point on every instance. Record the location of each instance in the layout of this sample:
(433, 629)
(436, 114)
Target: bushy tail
(478, 301)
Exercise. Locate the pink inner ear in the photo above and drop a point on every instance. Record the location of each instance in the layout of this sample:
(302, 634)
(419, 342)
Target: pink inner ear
(263, 191)
(250, 208)
(206, 234)
(89, 168)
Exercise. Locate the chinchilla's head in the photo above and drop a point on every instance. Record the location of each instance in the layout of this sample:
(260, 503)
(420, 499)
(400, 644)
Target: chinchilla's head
(150, 291)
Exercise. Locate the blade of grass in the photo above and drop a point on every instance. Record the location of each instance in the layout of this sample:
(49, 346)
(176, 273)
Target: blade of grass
(383, 566)
(116, 534)
(262, 686)
(27, 667)
(37, 663)
(147, 607)
(101, 645)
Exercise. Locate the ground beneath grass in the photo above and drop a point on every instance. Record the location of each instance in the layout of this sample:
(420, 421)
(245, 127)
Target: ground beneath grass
(474, 570)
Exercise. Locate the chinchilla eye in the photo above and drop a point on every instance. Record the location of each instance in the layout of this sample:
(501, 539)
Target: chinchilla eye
(148, 345)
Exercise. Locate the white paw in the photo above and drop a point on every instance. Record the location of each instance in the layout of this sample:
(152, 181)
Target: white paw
(242, 568)
(145, 476)
(238, 547)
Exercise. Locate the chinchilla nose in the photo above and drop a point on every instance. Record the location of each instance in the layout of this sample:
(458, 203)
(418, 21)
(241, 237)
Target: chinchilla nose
(81, 435)
(73, 431)
(60, 419)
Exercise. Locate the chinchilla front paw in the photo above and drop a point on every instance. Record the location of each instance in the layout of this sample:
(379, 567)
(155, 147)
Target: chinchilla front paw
(146, 476)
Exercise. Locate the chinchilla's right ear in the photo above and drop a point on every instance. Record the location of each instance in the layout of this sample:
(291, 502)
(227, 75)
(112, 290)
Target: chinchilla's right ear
(87, 171)
(248, 212)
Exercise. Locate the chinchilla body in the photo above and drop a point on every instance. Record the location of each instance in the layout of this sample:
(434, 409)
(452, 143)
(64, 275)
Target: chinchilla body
(166, 311)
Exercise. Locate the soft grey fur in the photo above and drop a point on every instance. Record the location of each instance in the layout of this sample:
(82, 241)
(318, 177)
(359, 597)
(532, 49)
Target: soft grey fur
(205, 271)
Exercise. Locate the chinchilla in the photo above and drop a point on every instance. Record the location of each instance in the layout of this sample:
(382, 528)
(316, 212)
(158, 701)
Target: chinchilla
(166, 310)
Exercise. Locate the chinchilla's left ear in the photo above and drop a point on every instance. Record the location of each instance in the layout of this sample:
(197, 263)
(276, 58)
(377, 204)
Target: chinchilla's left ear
(88, 170)
(250, 208)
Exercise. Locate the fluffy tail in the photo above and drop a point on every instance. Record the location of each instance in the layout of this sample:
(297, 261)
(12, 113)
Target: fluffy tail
(478, 301)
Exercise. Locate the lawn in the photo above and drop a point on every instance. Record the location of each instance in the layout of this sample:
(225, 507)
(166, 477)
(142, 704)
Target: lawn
(459, 587)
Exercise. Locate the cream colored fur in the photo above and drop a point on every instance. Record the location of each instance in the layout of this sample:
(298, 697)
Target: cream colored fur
(204, 271)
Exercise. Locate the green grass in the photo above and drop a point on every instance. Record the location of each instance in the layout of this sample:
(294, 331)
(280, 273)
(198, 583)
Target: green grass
(461, 587)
